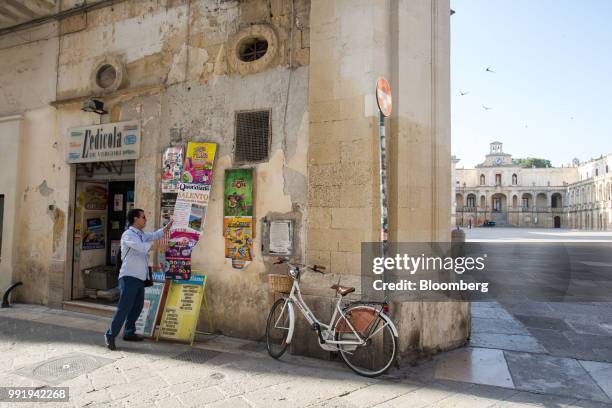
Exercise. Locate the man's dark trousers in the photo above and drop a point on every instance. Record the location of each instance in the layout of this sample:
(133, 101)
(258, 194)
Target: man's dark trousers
(131, 301)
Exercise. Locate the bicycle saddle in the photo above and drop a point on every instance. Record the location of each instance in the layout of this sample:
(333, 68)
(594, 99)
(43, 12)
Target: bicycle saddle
(343, 290)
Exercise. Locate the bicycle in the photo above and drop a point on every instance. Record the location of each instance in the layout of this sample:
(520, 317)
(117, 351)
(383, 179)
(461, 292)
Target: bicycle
(363, 333)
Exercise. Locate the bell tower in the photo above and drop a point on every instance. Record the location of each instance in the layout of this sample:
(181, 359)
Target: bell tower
(496, 148)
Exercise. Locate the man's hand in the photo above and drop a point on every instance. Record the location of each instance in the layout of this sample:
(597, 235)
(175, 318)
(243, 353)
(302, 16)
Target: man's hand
(169, 224)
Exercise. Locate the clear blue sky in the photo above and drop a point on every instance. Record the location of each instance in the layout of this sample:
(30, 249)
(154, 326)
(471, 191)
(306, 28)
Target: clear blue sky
(551, 93)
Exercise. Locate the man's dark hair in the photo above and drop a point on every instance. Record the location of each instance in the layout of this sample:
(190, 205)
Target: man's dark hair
(133, 213)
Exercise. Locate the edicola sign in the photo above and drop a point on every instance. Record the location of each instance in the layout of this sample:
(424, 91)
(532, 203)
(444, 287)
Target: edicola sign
(107, 142)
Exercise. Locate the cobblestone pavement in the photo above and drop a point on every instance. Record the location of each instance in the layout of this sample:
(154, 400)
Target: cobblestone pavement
(225, 372)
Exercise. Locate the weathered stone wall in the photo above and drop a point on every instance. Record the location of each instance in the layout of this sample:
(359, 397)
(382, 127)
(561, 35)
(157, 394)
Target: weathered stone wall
(181, 85)
(408, 42)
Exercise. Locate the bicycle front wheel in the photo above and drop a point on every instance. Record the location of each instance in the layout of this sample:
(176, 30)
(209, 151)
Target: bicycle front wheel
(379, 350)
(277, 328)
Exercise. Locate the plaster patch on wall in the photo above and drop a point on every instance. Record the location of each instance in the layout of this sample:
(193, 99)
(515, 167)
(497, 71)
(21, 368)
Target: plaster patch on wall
(44, 189)
(59, 218)
(295, 185)
(197, 60)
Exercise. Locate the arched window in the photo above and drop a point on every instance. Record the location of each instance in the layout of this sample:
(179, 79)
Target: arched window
(482, 179)
(471, 200)
(514, 179)
(596, 172)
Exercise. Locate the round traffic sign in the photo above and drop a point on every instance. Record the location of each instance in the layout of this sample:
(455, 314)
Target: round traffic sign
(383, 96)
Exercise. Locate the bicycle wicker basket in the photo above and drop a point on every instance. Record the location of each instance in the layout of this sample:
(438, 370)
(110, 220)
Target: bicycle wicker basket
(280, 283)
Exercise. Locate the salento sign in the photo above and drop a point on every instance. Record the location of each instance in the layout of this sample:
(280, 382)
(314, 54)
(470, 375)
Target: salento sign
(107, 142)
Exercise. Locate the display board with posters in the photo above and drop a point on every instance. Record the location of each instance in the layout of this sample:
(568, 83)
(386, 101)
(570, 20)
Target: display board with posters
(189, 211)
(182, 309)
(238, 216)
(145, 325)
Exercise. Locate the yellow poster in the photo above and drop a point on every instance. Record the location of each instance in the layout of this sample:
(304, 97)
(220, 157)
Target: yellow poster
(182, 309)
(199, 163)
(238, 232)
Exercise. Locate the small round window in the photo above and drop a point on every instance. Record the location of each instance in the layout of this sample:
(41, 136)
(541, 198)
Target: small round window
(106, 76)
(252, 49)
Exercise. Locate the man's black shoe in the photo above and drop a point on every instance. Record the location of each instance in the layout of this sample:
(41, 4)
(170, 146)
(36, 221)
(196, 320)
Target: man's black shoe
(133, 337)
(110, 342)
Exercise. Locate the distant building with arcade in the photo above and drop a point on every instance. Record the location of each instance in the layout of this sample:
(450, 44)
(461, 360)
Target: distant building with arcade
(577, 196)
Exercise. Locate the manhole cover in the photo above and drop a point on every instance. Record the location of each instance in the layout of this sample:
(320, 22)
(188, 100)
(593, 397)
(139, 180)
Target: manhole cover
(60, 369)
(197, 356)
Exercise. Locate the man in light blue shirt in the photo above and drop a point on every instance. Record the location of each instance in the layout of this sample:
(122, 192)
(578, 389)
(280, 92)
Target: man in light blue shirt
(135, 246)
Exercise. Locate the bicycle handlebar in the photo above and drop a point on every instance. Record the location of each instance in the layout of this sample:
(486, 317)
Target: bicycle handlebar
(315, 268)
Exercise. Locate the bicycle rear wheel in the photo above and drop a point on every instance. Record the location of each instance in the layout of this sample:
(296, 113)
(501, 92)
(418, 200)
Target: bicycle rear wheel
(378, 353)
(277, 329)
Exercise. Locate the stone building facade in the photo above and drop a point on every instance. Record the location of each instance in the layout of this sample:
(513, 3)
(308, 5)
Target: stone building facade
(590, 198)
(573, 196)
(183, 70)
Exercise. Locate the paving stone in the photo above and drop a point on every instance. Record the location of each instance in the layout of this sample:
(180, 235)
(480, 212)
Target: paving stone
(601, 373)
(169, 402)
(197, 398)
(602, 354)
(551, 338)
(552, 375)
(479, 396)
(597, 329)
(528, 399)
(574, 352)
(236, 402)
(372, 395)
(475, 365)
(485, 325)
(540, 322)
(492, 313)
(506, 342)
(286, 394)
(589, 340)
(428, 395)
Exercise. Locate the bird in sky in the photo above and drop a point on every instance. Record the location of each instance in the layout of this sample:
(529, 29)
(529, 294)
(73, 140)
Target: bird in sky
(464, 93)
(489, 70)
(486, 107)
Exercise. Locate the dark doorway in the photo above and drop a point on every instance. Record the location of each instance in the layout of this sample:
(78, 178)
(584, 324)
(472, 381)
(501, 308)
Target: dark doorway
(557, 220)
(120, 200)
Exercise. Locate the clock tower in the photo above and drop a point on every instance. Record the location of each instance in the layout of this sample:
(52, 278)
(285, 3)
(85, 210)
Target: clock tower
(496, 156)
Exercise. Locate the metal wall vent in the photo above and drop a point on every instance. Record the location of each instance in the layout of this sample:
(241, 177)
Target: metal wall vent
(252, 142)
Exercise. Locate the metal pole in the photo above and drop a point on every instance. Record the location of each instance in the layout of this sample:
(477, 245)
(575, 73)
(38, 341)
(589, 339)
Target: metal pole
(384, 211)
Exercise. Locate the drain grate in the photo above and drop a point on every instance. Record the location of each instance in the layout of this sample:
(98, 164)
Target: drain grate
(60, 369)
(197, 356)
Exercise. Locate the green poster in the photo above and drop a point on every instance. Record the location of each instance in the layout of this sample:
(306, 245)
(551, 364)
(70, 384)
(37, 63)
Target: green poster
(238, 195)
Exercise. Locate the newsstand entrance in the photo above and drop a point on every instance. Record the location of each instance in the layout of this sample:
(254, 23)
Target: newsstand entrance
(104, 193)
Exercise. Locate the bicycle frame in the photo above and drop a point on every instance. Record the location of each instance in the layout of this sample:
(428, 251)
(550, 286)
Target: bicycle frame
(295, 297)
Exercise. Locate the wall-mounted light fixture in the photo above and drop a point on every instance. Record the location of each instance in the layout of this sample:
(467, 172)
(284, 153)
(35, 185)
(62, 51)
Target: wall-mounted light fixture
(93, 105)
